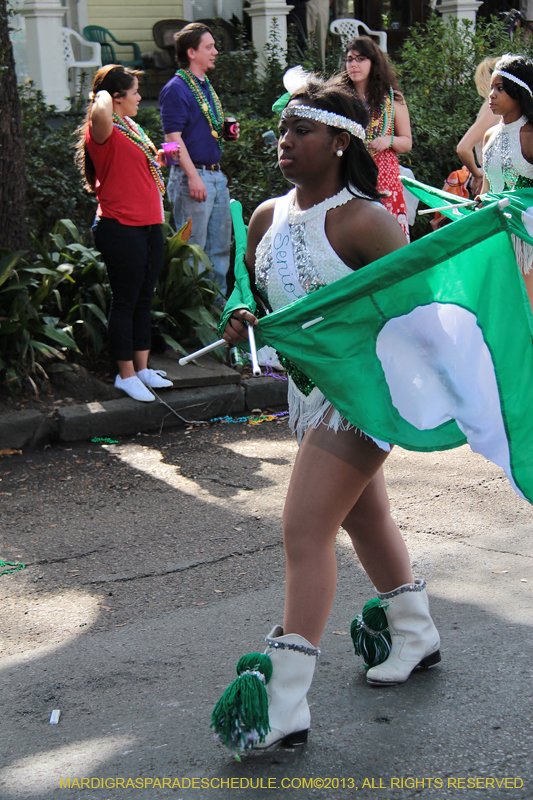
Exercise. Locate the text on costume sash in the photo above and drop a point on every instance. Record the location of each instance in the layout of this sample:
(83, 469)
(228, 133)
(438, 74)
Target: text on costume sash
(282, 267)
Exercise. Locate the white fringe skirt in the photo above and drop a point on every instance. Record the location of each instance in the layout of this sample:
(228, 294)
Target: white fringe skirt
(312, 410)
(524, 254)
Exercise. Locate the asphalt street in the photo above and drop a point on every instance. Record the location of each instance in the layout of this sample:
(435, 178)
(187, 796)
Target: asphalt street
(153, 564)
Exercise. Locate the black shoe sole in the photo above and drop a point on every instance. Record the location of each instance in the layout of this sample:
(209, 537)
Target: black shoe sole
(430, 661)
(295, 739)
(426, 663)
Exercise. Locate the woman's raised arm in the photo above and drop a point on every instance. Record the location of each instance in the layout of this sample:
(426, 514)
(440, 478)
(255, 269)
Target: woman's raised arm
(101, 120)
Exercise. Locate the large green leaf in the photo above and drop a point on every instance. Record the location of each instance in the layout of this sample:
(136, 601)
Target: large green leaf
(197, 250)
(60, 336)
(7, 265)
(46, 349)
(41, 249)
(200, 315)
(172, 343)
(97, 312)
(71, 228)
(40, 270)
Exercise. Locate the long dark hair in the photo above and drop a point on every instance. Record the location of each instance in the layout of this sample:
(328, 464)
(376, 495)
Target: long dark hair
(358, 168)
(116, 80)
(382, 75)
(521, 68)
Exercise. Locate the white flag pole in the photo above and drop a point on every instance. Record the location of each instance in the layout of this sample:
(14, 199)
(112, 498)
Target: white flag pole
(202, 352)
(253, 350)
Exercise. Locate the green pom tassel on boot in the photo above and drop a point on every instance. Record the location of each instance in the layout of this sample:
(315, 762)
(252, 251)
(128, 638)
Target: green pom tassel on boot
(370, 634)
(240, 718)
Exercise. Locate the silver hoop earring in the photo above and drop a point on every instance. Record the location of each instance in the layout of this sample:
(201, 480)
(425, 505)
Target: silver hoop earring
(340, 153)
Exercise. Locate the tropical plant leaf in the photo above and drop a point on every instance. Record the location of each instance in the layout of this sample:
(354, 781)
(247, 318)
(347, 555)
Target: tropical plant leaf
(98, 313)
(63, 337)
(7, 265)
(199, 253)
(61, 367)
(71, 228)
(46, 349)
(172, 343)
(201, 315)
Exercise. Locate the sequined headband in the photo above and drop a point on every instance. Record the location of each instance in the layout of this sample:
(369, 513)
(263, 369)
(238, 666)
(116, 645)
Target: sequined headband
(326, 117)
(514, 79)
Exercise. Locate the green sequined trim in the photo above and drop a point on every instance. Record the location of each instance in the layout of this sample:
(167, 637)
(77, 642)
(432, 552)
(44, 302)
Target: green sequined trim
(299, 378)
(521, 183)
(301, 381)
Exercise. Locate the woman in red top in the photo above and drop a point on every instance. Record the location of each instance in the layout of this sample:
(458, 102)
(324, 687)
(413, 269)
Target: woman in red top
(389, 132)
(121, 165)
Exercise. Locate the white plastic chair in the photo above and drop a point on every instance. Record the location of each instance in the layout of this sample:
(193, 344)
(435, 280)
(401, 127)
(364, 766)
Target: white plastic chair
(348, 29)
(68, 52)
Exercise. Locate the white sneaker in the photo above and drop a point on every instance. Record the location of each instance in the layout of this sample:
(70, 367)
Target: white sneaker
(135, 388)
(154, 378)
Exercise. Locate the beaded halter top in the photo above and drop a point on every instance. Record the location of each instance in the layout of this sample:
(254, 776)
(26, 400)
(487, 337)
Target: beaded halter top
(316, 262)
(503, 162)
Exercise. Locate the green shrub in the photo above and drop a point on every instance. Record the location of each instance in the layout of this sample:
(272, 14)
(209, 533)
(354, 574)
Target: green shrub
(150, 121)
(30, 325)
(235, 77)
(184, 302)
(250, 164)
(249, 91)
(54, 188)
(56, 298)
(252, 167)
(84, 302)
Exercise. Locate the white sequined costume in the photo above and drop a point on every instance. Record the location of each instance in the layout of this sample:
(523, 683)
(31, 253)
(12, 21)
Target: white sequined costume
(507, 169)
(317, 265)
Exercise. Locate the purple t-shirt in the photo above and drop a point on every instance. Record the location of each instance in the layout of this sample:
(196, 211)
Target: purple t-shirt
(180, 113)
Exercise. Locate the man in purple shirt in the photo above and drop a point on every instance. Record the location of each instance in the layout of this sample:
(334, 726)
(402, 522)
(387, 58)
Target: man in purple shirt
(192, 115)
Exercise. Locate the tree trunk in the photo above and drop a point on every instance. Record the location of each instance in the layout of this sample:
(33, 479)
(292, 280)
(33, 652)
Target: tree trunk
(12, 165)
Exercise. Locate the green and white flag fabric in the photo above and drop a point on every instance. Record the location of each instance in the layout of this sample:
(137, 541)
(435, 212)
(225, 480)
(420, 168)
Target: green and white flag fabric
(520, 206)
(429, 347)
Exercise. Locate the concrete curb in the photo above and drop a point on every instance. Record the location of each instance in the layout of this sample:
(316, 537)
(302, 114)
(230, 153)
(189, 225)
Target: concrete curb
(126, 417)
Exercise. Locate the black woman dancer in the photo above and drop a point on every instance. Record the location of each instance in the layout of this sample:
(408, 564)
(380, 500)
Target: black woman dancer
(335, 226)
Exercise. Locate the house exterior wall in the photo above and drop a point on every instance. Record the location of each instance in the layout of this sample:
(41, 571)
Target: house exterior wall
(132, 20)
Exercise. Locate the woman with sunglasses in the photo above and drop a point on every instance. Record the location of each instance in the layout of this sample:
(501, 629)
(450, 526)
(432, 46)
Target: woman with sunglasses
(389, 132)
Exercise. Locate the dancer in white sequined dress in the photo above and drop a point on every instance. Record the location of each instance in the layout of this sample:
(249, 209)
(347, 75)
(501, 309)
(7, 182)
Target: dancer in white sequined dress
(331, 223)
(508, 147)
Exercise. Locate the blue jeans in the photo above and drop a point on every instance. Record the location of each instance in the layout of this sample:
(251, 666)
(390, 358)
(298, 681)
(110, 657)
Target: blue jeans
(211, 220)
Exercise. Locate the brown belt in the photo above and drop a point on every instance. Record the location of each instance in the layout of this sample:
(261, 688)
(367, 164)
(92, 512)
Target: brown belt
(210, 167)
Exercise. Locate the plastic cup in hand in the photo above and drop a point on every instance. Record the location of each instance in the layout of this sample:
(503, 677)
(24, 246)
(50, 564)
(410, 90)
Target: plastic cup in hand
(172, 153)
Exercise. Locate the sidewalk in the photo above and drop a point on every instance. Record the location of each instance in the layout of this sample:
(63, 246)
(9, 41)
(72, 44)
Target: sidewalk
(200, 393)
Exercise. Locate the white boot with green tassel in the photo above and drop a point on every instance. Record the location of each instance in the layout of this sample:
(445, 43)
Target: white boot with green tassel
(395, 634)
(267, 703)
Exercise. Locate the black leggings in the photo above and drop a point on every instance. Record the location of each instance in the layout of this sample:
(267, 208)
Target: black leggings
(133, 256)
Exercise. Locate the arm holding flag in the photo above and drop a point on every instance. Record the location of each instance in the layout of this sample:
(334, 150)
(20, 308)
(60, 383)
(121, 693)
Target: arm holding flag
(242, 297)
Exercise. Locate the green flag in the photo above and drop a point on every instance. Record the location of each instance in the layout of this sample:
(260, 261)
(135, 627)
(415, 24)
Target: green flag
(427, 348)
(520, 206)
(241, 296)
